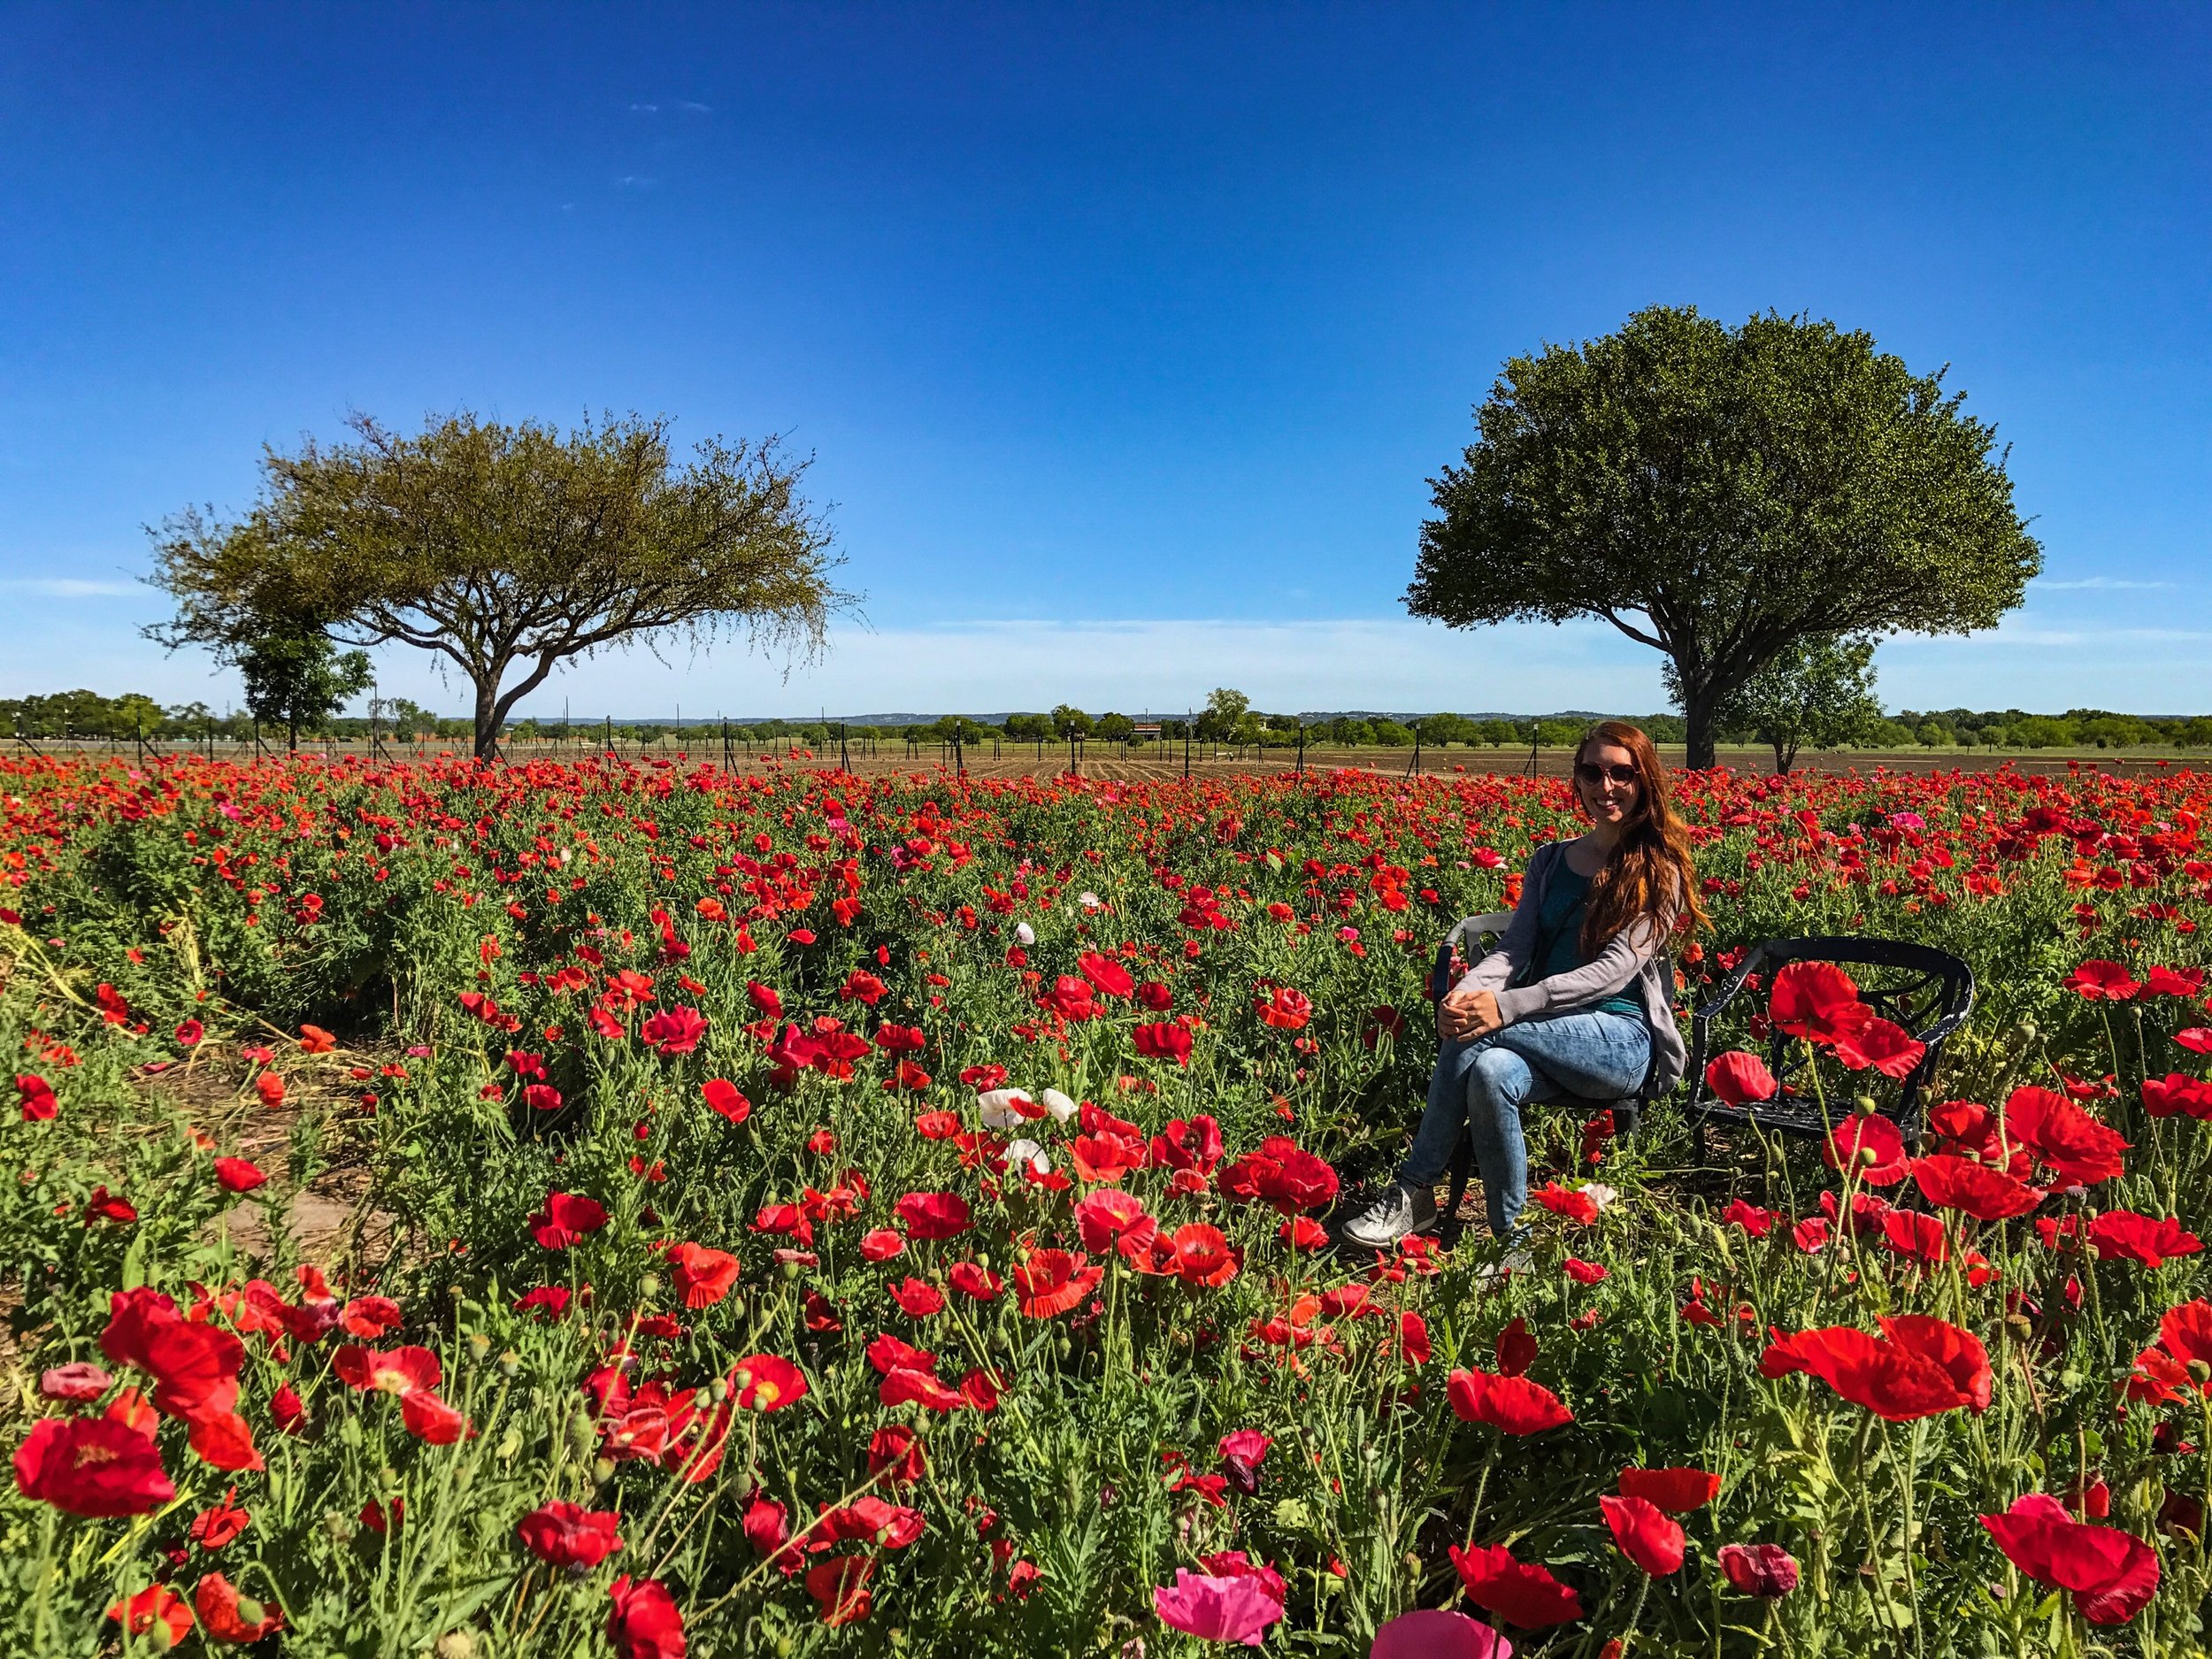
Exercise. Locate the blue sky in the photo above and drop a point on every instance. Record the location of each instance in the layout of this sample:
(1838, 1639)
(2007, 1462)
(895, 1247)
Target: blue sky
(1126, 337)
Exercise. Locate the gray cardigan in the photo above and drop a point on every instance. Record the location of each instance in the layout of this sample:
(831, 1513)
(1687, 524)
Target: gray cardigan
(1636, 955)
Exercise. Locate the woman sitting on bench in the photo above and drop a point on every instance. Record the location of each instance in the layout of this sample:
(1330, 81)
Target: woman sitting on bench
(1576, 1001)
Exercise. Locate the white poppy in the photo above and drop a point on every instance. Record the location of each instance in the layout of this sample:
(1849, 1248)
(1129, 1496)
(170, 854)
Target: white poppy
(1028, 1154)
(1089, 901)
(1598, 1194)
(1058, 1104)
(1025, 932)
(998, 1108)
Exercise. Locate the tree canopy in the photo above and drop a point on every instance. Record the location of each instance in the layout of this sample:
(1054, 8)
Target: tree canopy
(1719, 493)
(507, 547)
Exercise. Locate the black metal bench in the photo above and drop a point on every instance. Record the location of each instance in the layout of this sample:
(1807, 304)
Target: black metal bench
(1927, 992)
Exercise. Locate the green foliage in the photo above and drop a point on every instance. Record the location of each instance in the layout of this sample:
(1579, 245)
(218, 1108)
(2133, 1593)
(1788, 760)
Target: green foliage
(1717, 493)
(1069, 721)
(503, 546)
(1816, 693)
(295, 678)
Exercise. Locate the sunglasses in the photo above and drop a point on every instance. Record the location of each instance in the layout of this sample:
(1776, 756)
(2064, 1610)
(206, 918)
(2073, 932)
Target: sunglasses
(1625, 776)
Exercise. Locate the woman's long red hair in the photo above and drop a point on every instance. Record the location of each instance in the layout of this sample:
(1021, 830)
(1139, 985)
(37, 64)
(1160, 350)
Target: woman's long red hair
(1651, 876)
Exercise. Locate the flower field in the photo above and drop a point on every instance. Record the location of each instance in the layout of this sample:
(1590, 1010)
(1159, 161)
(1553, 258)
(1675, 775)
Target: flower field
(790, 1213)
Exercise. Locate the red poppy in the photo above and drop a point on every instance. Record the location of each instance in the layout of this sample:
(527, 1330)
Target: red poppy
(839, 1583)
(1916, 1235)
(1919, 1367)
(270, 1087)
(1871, 1143)
(1888, 1049)
(1520, 1592)
(894, 1454)
(217, 1526)
(935, 1215)
(917, 1298)
(35, 1095)
(2185, 1332)
(1572, 1203)
(1303, 1232)
(228, 1616)
(2113, 1574)
(189, 1033)
(1645, 1534)
(905, 1384)
(643, 1623)
(1050, 1282)
(971, 1280)
(1284, 1006)
(2074, 1145)
(569, 1536)
(766, 1523)
(401, 1371)
(1164, 1040)
(765, 1382)
(1112, 1216)
(1978, 1190)
(1740, 1078)
(566, 1220)
(1105, 974)
(2176, 1095)
(1515, 1348)
(1512, 1405)
(1203, 1258)
(723, 1097)
(157, 1607)
(766, 1001)
(92, 1466)
(1193, 1144)
(1413, 1338)
(1766, 1570)
(2123, 1234)
(704, 1277)
(675, 1031)
(1816, 1001)
(2099, 980)
(239, 1175)
(430, 1419)
(1676, 1490)
(195, 1366)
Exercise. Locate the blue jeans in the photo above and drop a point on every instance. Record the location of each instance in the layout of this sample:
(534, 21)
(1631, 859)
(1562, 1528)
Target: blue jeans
(1479, 1088)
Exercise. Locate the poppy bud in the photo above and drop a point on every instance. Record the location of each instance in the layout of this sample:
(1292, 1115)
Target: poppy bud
(603, 1469)
(509, 1362)
(250, 1611)
(479, 1346)
(719, 1390)
(1866, 1107)
(648, 1284)
(339, 1526)
(792, 1271)
(582, 1434)
(2200, 1373)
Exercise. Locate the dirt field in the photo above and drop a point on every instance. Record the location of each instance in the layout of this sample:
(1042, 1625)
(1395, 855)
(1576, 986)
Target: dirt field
(1158, 762)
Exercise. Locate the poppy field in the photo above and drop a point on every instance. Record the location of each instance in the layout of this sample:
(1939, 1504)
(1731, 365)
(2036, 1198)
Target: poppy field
(782, 1212)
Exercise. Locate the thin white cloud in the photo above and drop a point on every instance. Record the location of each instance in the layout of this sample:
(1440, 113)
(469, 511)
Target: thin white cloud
(690, 108)
(71, 587)
(634, 182)
(2102, 584)
(645, 109)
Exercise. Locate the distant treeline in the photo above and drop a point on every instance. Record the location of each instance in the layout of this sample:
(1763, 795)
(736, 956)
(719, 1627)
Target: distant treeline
(87, 714)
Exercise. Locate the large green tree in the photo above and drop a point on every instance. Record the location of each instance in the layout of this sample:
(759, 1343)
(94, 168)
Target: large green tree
(509, 549)
(1719, 493)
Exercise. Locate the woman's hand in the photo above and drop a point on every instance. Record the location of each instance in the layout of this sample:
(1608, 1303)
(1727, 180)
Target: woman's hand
(1467, 1015)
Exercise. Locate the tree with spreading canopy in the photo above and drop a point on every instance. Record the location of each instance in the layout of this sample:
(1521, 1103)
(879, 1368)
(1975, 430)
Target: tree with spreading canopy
(1719, 493)
(506, 548)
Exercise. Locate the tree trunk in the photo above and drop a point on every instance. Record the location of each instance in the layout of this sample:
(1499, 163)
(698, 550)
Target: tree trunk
(1698, 708)
(487, 717)
(291, 734)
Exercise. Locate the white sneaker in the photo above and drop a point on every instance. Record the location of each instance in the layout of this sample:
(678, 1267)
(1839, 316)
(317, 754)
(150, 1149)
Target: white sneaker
(1400, 1212)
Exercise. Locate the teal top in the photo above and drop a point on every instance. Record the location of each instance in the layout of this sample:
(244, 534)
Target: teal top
(1559, 935)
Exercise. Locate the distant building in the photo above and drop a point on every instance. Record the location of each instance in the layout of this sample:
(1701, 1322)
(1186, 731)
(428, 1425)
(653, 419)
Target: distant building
(1142, 730)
